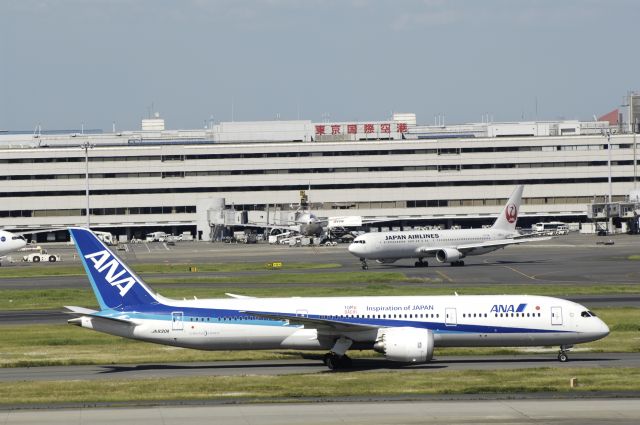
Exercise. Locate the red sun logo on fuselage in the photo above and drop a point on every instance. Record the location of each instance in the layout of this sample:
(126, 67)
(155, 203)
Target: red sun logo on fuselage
(511, 213)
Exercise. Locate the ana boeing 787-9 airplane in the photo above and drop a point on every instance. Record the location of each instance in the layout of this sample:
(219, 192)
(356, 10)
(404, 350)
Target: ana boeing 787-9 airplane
(404, 329)
(447, 246)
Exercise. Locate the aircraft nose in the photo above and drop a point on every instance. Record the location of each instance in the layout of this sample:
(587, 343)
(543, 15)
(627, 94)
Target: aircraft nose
(603, 329)
(354, 248)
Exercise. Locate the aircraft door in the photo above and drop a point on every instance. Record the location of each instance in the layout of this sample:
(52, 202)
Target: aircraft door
(556, 315)
(177, 323)
(450, 318)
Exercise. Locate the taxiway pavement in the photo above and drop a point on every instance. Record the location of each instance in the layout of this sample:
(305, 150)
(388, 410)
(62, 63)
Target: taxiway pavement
(494, 412)
(571, 259)
(312, 365)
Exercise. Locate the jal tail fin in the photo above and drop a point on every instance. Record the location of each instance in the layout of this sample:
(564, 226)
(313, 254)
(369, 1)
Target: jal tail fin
(509, 215)
(114, 284)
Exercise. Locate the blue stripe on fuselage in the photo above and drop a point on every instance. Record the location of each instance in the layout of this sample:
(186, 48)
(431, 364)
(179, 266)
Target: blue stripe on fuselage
(200, 315)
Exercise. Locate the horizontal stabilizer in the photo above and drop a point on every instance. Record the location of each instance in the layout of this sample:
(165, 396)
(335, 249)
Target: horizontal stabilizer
(113, 319)
(95, 315)
(79, 310)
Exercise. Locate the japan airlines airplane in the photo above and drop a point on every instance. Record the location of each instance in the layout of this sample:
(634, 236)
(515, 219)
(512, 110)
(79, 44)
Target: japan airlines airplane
(10, 242)
(447, 246)
(404, 329)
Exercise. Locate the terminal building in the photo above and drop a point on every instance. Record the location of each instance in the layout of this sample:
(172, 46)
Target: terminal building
(156, 179)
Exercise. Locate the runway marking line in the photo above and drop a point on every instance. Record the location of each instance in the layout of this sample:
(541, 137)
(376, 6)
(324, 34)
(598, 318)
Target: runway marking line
(444, 276)
(519, 272)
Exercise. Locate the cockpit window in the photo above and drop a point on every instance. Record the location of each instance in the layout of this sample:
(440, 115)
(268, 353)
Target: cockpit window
(588, 313)
(591, 313)
(360, 241)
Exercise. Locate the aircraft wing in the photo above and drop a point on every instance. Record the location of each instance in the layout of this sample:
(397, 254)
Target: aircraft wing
(236, 296)
(466, 248)
(326, 325)
(30, 232)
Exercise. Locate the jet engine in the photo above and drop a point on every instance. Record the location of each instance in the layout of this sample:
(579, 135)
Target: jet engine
(405, 344)
(448, 255)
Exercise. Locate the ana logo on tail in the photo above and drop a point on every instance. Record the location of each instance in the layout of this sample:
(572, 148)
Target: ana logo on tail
(101, 264)
(511, 213)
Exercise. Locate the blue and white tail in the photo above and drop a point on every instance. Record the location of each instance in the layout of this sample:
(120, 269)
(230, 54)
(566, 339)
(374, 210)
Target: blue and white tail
(509, 216)
(114, 284)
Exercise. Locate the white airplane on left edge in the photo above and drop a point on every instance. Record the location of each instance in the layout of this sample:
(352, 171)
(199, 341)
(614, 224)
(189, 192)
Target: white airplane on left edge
(404, 329)
(10, 242)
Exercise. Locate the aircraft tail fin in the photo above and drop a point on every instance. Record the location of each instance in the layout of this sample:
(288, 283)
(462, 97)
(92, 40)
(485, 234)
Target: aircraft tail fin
(509, 215)
(114, 284)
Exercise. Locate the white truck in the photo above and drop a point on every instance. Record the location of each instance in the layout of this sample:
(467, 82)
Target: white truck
(156, 237)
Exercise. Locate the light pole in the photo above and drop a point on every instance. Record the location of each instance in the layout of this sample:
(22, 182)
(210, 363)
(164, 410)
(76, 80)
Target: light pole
(609, 165)
(607, 133)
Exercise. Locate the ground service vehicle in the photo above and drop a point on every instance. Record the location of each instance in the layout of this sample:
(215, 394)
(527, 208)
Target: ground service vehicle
(37, 257)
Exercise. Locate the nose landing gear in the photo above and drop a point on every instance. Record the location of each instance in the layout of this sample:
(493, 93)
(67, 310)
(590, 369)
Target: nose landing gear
(562, 354)
(363, 264)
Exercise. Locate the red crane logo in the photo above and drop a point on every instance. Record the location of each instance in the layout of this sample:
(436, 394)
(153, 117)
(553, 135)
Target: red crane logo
(511, 213)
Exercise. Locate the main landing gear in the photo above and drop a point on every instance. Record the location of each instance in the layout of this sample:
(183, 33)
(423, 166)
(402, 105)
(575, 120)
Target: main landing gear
(421, 263)
(363, 264)
(562, 354)
(334, 361)
(458, 263)
(336, 358)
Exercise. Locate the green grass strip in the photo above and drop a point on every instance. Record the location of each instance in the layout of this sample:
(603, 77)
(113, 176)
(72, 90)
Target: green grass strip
(350, 285)
(146, 268)
(285, 278)
(346, 384)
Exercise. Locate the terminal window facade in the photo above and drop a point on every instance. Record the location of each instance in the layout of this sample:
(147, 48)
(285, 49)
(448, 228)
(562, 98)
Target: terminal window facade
(296, 154)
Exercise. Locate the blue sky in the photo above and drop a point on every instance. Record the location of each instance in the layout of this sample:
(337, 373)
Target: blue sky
(94, 62)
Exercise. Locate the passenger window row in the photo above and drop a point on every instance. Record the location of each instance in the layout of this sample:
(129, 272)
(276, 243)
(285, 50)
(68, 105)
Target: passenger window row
(383, 316)
(519, 315)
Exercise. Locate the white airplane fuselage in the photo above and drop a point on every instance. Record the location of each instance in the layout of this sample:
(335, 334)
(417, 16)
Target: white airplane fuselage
(456, 321)
(408, 244)
(10, 242)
